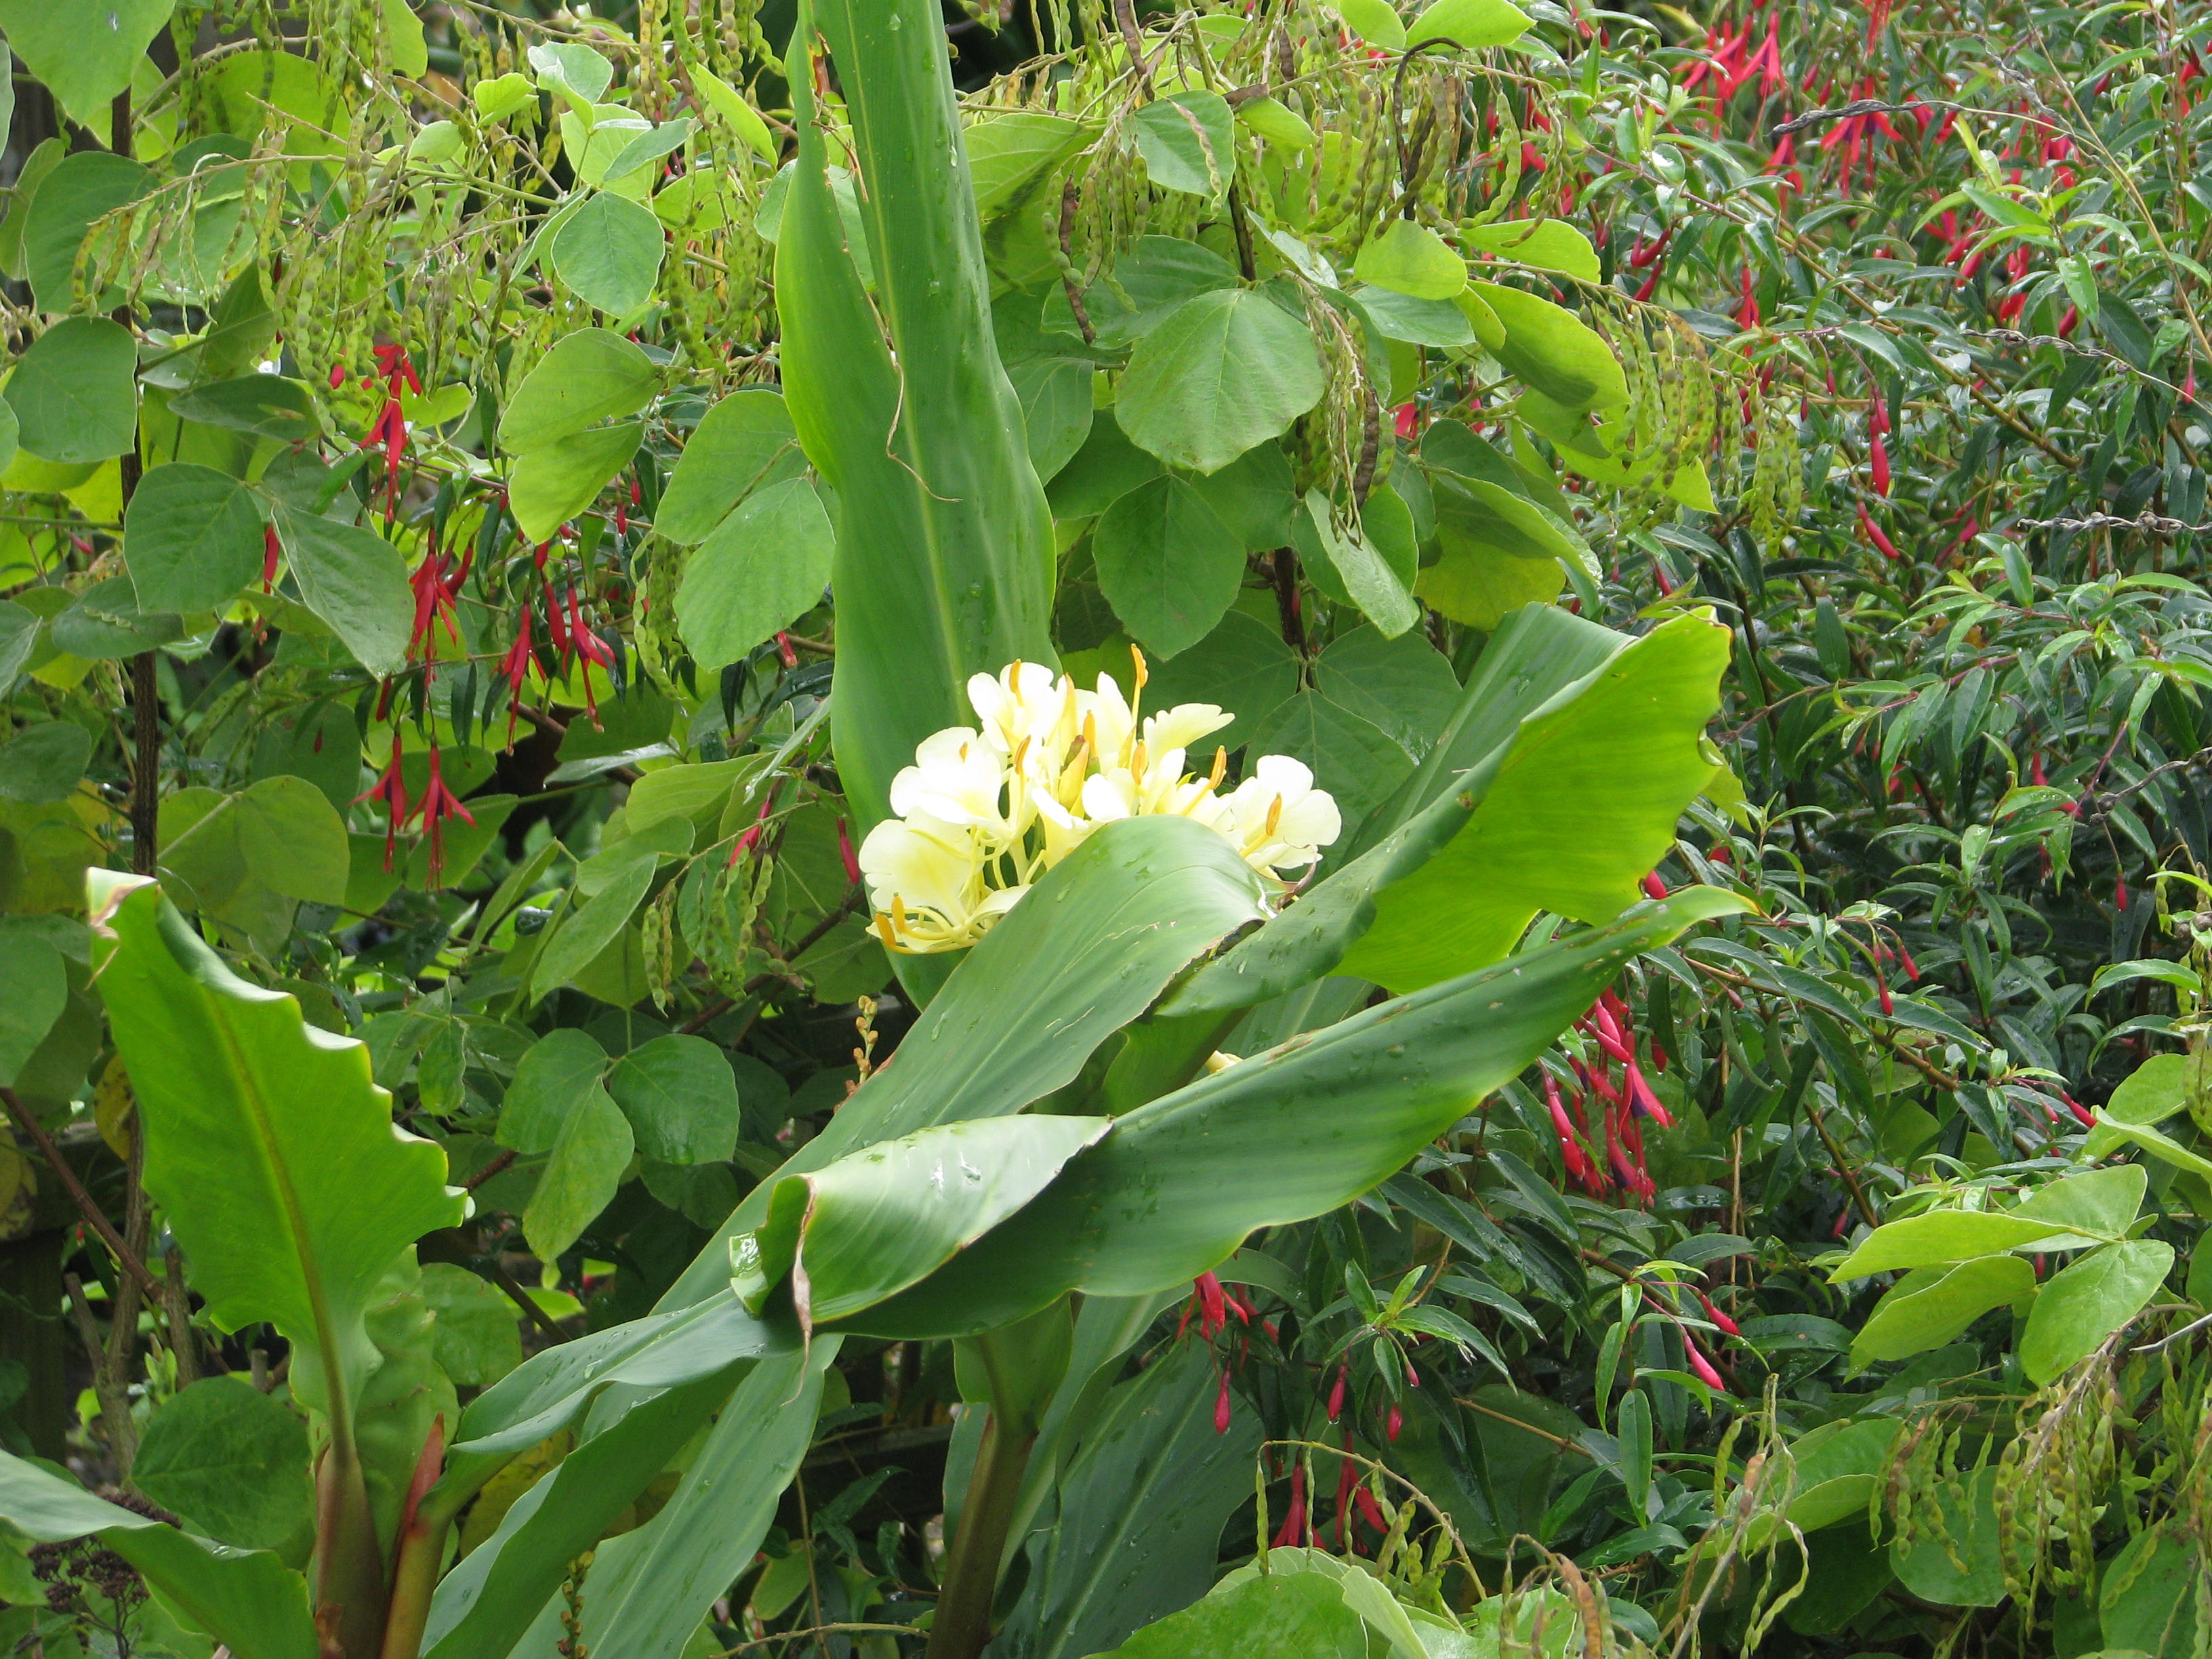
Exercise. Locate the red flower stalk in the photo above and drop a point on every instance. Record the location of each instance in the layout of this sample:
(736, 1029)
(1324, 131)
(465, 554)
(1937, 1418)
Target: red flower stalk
(439, 803)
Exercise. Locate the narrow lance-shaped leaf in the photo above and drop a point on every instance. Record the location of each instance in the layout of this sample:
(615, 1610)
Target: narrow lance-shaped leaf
(248, 1599)
(1085, 953)
(1178, 1184)
(944, 557)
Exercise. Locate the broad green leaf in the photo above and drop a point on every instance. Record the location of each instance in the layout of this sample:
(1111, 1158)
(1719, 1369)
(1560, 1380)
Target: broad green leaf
(2086, 1301)
(19, 637)
(2110, 1133)
(1227, 370)
(945, 562)
(8, 433)
(250, 855)
(1548, 244)
(249, 92)
(609, 250)
(1590, 443)
(1470, 23)
(1085, 953)
(1552, 350)
(589, 376)
(651, 1587)
(34, 990)
(486, 1603)
(588, 928)
(1479, 512)
(589, 1154)
(664, 140)
(1405, 686)
(81, 189)
(354, 580)
(475, 1338)
(2101, 1201)
(761, 569)
(1008, 149)
(270, 1149)
(1355, 760)
(1367, 573)
(191, 537)
(44, 763)
(1482, 586)
(250, 1601)
(1285, 1612)
(1056, 408)
(680, 1098)
(266, 405)
(1933, 1306)
(1276, 122)
(1375, 21)
(1410, 258)
(874, 1222)
(1947, 1235)
(1167, 564)
(743, 443)
(1107, 467)
(83, 50)
(573, 70)
(231, 1461)
(1397, 316)
(1188, 142)
(2146, 1594)
(1960, 1566)
(1149, 1488)
(1583, 807)
(74, 393)
(500, 96)
(555, 482)
(1243, 668)
(2153, 1091)
(556, 1073)
(725, 100)
(1253, 495)
(1178, 1184)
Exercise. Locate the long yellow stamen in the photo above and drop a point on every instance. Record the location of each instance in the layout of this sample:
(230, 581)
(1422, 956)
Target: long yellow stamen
(884, 930)
(1220, 768)
(1274, 814)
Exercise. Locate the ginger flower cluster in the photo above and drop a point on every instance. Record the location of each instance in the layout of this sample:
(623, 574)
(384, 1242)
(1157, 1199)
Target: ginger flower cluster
(985, 810)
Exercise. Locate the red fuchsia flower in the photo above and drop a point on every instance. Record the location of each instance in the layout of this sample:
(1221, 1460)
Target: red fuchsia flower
(1336, 1392)
(1878, 463)
(2087, 1118)
(434, 598)
(1295, 1531)
(514, 669)
(1727, 1327)
(1877, 19)
(338, 375)
(438, 804)
(391, 789)
(783, 649)
(1881, 989)
(1221, 1405)
(743, 847)
(1747, 312)
(1701, 1367)
(1571, 1150)
(2120, 892)
(271, 551)
(845, 852)
(1370, 1511)
(1409, 420)
(1393, 1423)
(1873, 533)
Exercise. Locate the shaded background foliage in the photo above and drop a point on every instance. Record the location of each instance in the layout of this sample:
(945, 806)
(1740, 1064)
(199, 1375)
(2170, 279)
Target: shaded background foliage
(1938, 359)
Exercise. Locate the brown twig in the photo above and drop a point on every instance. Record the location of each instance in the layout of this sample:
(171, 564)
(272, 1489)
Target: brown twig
(496, 1165)
(94, 1216)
